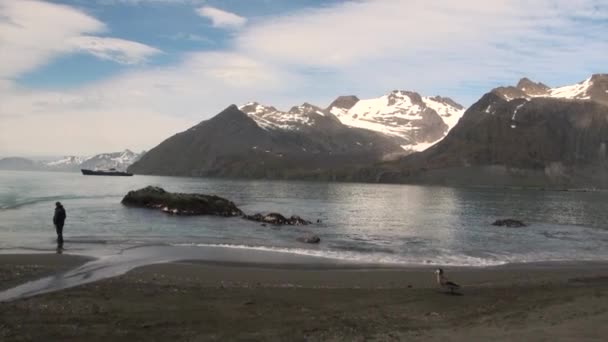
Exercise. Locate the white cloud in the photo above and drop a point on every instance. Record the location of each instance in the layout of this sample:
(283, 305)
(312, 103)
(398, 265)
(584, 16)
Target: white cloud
(118, 50)
(363, 47)
(355, 32)
(187, 36)
(84, 132)
(136, 110)
(440, 46)
(30, 39)
(139, 2)
(221, 18)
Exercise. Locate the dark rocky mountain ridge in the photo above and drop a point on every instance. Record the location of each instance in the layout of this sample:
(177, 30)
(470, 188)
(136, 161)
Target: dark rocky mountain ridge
(529, 135)
(525, 135)
(232, 144)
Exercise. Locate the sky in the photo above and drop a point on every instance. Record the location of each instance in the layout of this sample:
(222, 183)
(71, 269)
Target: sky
(79, 77)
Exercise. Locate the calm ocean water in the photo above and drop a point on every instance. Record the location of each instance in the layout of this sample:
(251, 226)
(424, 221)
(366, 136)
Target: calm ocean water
(366, 223)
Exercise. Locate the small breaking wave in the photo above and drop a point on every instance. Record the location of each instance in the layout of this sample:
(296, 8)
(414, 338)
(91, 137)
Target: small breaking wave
(35, 200)
(364, 258)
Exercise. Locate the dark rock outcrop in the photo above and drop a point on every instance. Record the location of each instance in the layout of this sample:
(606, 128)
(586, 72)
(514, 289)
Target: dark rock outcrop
(309, 239)
(198, 204)
(447, 100)
(345, 102)
(277, 219)
(599, 89)
(532, 88)
(510, 223)
(180, 203)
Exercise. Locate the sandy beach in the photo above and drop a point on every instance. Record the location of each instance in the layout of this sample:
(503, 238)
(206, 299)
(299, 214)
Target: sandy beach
(194, 301)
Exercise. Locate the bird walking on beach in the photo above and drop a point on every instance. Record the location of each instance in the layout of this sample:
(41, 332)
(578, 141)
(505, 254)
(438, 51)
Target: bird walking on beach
(444, 283)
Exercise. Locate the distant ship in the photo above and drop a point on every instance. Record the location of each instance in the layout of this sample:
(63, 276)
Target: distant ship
(110, 172)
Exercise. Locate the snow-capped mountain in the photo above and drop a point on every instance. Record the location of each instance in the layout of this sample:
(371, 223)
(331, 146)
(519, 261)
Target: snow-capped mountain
(66, 162)
(415, 122)
(117, 160)
(297, 118)
(304, 143)
(418, 121)
(594, 88)
(528, 135)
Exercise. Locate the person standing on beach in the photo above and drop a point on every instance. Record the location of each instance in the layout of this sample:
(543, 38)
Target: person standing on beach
(59, 220)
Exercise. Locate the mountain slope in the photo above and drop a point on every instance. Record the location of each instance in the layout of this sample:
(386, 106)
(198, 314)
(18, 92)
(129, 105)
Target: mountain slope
(266, 144)
(528, 135)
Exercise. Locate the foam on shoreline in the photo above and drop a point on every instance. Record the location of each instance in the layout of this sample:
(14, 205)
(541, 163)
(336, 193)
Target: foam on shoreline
(113, 265)
(362, 258)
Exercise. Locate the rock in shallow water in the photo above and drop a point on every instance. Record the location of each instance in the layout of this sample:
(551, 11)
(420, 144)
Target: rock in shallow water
(198, 204)
(510, 223)
(277, 219)
(309, 239)
(180, 203)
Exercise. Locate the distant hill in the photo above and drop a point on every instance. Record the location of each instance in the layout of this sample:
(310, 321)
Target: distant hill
(117, 160)
(19, 164)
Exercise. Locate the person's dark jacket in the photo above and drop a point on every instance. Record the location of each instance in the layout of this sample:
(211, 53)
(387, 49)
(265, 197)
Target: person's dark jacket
(59, 217)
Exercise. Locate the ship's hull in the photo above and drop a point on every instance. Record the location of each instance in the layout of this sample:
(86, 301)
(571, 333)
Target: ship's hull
(104, 173)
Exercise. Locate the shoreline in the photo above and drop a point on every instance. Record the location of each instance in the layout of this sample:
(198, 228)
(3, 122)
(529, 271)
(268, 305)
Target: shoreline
(268, 256)
(202, 300)
(539, 187)
(15, 269)
(262, 258)
(291, 261)
(72, 270)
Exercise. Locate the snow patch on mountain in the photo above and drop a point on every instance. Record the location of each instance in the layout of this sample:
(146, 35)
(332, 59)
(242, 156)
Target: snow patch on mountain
(66, 161)
(419, 147)
(517, 110)
(449, 112)
(590, 89)
(396, 103)
(417, 122)
(269, 118)
(576, 91)
(488, 110)
(116, 160)
(376, 116)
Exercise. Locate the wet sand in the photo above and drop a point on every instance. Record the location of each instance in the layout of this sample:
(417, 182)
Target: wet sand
(199, 301)
(19, 268)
